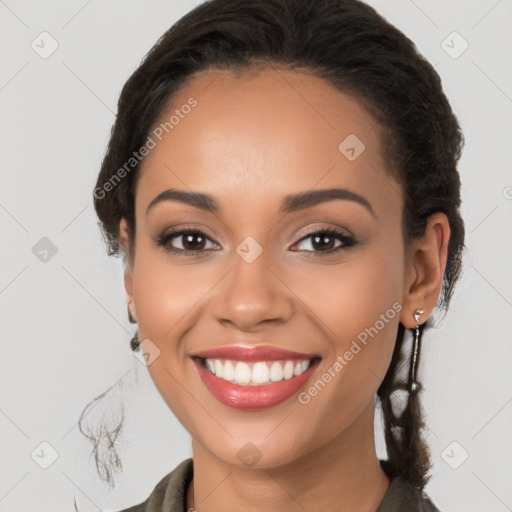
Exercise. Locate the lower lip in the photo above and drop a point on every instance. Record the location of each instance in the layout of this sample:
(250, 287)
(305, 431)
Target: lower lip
(253, 397)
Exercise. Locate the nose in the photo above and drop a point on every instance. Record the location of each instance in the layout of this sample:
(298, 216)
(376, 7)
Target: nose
(252, 295)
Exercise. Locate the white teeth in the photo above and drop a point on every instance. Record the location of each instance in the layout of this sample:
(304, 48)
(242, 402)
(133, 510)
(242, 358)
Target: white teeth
(276, 372)
(242, 373)
(218, 368)
(257, 373)
(210, 365)
(228, 372)
(260, 373)
(288, 370)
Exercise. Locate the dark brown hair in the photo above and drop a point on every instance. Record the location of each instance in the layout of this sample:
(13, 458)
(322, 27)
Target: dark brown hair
(347, 43)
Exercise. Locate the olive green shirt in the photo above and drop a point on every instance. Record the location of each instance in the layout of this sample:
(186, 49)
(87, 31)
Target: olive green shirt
(169, 495)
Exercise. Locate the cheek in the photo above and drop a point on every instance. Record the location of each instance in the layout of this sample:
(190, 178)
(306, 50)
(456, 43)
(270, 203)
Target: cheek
(357, 305)
(167, 293)
(168, 300)
(346, 298)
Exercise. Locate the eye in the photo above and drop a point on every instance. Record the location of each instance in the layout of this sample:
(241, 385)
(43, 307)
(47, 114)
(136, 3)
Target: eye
(190, 241)
(323, 241)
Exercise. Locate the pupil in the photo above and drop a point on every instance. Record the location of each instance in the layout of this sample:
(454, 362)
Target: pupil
(319, 241)
(190, 245)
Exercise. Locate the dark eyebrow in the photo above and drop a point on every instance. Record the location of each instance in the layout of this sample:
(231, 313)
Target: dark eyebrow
(303, 200)
(291, 203)
(196, 199)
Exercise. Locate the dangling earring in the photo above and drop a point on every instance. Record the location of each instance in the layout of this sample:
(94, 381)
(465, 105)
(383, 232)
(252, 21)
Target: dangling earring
(135, 342)
(412, 385)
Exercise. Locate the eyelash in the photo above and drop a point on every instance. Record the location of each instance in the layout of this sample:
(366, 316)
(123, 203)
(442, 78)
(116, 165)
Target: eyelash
(347, 241)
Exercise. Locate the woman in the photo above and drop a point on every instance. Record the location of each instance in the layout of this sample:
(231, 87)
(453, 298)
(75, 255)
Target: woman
(282, 181)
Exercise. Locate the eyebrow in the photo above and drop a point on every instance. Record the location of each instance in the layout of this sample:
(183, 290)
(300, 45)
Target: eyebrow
(291, 203)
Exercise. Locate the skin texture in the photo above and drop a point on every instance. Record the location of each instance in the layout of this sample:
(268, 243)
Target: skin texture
(252, 139)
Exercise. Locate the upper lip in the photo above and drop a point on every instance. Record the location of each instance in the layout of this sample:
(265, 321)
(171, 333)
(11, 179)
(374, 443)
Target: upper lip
(258, 353)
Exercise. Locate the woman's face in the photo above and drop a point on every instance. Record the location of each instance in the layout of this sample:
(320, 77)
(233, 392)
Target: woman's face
(256, 276)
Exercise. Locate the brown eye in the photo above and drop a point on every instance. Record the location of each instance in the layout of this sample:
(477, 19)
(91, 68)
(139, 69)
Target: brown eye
(187, 241)
(324, 240)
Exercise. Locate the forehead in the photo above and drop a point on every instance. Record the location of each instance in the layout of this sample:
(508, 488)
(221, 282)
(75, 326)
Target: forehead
(264, 133)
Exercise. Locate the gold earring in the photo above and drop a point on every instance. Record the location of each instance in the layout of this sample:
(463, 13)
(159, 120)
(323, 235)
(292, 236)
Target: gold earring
(414, 386)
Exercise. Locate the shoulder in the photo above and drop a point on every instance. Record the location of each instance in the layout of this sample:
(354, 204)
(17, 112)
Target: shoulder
(168, 494)
(403, 496)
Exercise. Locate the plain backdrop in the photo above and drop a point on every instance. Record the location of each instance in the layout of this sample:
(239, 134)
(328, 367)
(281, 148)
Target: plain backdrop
(64, 330)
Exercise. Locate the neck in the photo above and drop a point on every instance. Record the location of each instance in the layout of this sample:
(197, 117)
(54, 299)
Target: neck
(343, 474)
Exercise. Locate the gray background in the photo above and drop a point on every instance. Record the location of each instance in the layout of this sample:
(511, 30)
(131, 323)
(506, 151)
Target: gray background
(64, 330)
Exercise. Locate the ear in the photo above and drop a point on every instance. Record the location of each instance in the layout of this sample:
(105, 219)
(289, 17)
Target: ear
(126, 244)
(425, 266)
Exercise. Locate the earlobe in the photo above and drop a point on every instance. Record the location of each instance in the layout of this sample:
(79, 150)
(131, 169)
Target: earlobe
(128, 284)
(131, 318)
(124, 241)
(429, 256)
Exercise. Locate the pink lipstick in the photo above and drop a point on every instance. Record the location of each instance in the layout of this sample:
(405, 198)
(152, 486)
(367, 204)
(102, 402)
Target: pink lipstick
(254, 378)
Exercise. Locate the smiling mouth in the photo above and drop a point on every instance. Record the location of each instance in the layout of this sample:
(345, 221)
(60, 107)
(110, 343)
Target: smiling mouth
(256, 373)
